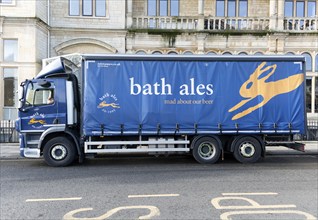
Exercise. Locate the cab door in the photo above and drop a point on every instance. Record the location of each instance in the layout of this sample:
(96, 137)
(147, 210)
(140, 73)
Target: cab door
(44, 105)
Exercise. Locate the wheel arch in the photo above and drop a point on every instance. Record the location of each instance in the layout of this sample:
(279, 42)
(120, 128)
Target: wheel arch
(69, 134)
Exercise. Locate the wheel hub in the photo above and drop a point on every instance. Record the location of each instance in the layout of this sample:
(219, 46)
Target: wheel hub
(207, 150)
(58, 152)
(247, 150)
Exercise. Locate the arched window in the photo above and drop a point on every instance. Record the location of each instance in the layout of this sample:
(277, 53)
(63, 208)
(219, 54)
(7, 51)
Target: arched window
(226, 53)
(308, 61)
(172, 52)
(211, 53)
(140, 52)
(242, 54)
(156, 52)
(258, 54)
(316, 66)
(188, 53)
(290, 54)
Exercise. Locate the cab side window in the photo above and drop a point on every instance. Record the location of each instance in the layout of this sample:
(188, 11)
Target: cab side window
(37, 95)
(43, 97)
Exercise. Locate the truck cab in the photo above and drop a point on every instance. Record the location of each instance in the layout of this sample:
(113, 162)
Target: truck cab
(48, 113)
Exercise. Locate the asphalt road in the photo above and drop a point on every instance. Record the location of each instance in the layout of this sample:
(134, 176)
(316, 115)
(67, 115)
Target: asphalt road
(283, 186)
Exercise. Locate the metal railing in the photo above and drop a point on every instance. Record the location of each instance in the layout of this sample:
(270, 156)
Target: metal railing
(312, 130)
(8, 134)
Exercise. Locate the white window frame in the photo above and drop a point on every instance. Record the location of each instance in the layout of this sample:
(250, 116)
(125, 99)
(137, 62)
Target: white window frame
(7, 3)
(168, 8)
(10, 112)
(226, 8)
(94, 11)
(294, 12)
(16, 53)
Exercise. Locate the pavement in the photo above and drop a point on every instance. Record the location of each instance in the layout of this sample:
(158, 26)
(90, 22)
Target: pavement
(12, 150)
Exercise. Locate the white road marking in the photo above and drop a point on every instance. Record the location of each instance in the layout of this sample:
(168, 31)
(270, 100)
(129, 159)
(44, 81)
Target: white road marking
(154, 211)
(226, 215)
(253, 205)
(53, 199)
(154, 195)
(251, 194)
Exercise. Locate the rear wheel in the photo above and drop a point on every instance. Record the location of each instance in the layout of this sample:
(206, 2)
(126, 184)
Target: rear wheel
(59, 152)
(206, 150)
(247, 150)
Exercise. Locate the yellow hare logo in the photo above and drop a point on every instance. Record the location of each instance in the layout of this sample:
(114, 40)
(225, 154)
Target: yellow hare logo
(256, 85)
(37, 123)
(108, 103)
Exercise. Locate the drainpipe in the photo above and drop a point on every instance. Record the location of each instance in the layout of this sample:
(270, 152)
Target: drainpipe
(48, 31)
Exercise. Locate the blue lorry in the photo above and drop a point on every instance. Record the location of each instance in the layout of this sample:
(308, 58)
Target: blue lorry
(157, 104)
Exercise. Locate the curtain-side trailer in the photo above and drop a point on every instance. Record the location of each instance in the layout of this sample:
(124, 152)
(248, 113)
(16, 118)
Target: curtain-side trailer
(157, 104)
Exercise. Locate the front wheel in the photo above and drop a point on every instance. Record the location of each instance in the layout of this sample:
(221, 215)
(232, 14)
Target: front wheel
(206, 150)
(59, 152)
(247, 150)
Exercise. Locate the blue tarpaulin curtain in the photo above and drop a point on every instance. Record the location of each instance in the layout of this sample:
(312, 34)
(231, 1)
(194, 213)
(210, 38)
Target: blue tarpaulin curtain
(127, 94)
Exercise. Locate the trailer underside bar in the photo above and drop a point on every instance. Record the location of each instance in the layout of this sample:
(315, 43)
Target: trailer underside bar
(137, 150)
(137, 142)
(141, 146)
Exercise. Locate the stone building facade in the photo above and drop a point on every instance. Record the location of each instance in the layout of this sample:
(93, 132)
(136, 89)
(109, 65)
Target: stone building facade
(34, 30)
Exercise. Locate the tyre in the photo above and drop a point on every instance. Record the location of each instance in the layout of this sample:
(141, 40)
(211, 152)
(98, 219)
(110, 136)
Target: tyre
(247, 150)
(59, 152)
(206, 150)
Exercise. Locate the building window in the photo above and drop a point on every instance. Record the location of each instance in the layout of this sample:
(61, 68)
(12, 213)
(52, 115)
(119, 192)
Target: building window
(220, 8)
(289, 8)
(163, 7)
(242, 8)
(74, 7)
(141, 52)
(308, 61)
(311, 9)
(300, 8)
(152, 7)
(316, 94)
(174, 7)
(227, 53)
(89, 8)
(290, 54)
(6, 2)
(10, 50)
(100, 8)
(316, 66)
(10, 96)
(243, 54)
(308, 93)
(211, 53)
(231, 8)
